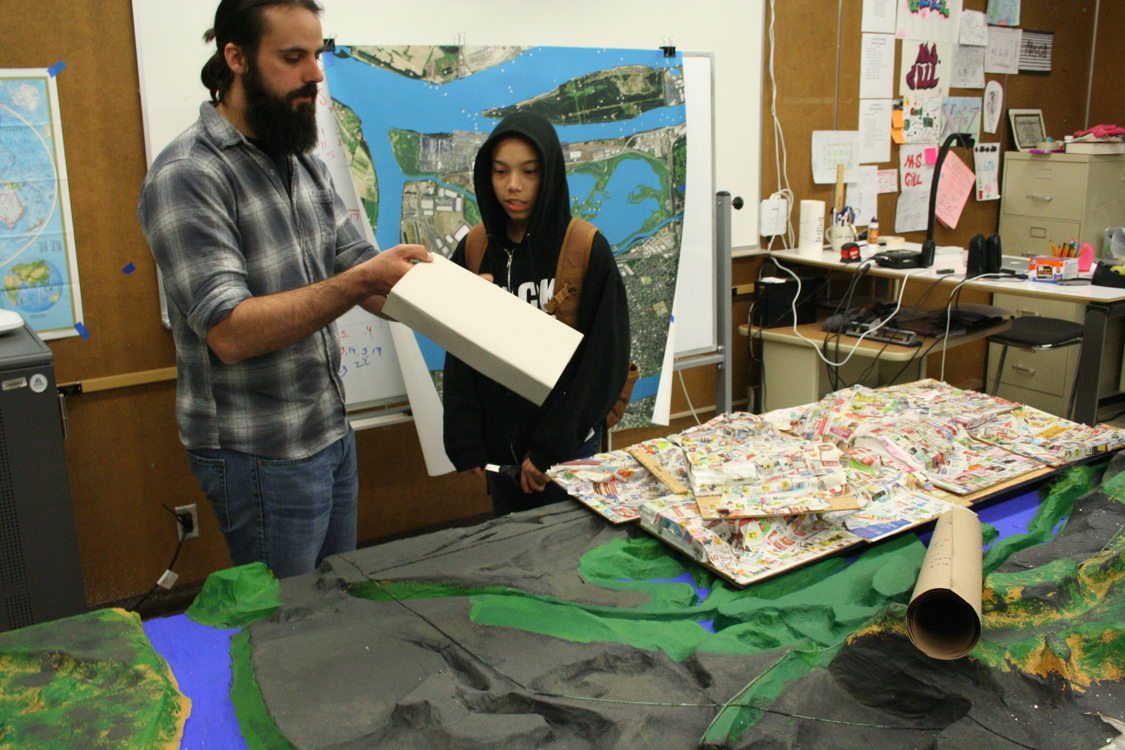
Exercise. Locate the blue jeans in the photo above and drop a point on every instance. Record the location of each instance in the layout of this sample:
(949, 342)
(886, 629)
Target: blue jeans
(289, 514)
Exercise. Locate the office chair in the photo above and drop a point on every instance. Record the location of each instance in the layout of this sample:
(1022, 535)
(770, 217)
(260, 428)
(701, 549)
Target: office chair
(1034, 333)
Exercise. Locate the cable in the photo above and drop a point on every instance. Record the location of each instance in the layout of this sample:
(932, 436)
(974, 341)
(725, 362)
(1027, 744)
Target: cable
(955, 293)
(872, 329)
(918, 305)
(842, 308)
(157, 585)
(683, 387)
(780, 153)
(175, 555)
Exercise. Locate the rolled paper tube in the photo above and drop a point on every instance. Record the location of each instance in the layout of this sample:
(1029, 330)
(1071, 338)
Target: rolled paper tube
(811, 225)
(943, 618)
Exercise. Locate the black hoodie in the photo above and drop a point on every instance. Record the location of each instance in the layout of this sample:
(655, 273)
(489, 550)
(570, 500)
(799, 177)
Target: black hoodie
(487, 423)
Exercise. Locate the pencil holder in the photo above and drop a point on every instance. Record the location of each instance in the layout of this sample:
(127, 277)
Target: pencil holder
(1085, 257)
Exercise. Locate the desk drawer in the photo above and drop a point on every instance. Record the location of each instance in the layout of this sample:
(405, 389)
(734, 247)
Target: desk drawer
(1020, 305)
(1050, 372)
(1031, 235)
(1047, 188)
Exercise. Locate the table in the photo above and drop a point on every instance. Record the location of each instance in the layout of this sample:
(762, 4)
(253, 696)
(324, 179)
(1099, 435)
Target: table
(786, 351)
(1102, 304)
(436, 663)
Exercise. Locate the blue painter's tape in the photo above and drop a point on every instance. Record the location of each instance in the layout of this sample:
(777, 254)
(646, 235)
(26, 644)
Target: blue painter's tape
(129, 268)
(82, 330)
(57, 68)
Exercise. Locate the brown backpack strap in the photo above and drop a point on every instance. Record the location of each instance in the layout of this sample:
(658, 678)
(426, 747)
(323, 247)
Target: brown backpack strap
(574, 257)
(475, 243)
(618, 410)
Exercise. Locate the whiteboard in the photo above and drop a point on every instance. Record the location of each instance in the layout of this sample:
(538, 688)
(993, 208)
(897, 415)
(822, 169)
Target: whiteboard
(171, 51)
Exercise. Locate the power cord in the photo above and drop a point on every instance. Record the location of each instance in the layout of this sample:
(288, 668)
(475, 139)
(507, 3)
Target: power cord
(955, 293)
(780, 153)
(872, 329)
(687, 397)
(918, 304)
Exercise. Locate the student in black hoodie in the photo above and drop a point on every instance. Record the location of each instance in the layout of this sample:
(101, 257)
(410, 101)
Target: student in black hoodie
(521, 189)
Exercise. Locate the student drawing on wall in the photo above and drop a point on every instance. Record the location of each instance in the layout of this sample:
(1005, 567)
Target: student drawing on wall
(520, 181)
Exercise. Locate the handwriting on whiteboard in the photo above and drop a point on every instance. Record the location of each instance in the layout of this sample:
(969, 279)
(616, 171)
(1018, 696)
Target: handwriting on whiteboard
(359, 348)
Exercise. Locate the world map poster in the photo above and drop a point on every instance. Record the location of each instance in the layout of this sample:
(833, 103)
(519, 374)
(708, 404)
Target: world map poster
(38, 266)
(412, 118)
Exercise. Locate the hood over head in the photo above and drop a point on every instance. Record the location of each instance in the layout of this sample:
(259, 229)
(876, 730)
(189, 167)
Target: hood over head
(551, 213)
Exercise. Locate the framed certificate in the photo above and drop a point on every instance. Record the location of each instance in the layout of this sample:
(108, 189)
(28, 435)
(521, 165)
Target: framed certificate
(1027, 127)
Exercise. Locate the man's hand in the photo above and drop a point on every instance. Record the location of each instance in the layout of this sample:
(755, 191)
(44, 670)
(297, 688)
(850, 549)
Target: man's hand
(531, 479)
(385, 269)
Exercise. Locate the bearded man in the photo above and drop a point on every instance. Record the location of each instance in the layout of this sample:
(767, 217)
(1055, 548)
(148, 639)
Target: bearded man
(258, 259)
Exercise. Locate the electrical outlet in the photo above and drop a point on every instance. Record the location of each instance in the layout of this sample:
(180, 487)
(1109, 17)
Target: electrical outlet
(192, 511)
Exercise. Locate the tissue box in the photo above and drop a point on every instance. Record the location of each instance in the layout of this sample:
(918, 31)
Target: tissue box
(492, 331)
(1052, 269)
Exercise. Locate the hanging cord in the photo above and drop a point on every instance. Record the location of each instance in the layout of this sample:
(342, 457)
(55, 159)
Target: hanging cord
(162, 582)
(872, 329)
(687, 397)
(780, 153)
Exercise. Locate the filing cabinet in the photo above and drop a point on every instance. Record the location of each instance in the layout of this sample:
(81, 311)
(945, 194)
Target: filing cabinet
(1059, 197)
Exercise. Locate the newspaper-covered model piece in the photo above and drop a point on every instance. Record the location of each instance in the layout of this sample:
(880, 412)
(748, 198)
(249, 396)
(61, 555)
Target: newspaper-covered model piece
(1045, 437)
(783, 419)
(892, 495)
(837, 416)
(891, 513)
(615, 485)
(945, 453)
(740, 465)
(743, 550)
(942, 402)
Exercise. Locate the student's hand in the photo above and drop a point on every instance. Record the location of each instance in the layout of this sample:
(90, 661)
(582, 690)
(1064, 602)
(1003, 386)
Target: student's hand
(531, 479)
(385, 269)
(487, 277)
(478, 472)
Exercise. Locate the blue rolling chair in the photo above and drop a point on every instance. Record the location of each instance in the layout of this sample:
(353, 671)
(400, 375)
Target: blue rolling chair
(1036, 334)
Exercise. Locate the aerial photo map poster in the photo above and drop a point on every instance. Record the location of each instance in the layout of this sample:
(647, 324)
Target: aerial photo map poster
(37, 259)
(413, 117)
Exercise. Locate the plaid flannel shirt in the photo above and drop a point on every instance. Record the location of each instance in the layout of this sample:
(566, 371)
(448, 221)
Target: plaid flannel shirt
(223, 228)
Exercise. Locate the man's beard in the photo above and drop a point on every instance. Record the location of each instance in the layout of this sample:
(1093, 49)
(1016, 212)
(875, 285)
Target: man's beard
(276, 124)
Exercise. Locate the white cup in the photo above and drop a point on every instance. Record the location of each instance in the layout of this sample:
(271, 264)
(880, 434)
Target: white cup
(838, 234)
